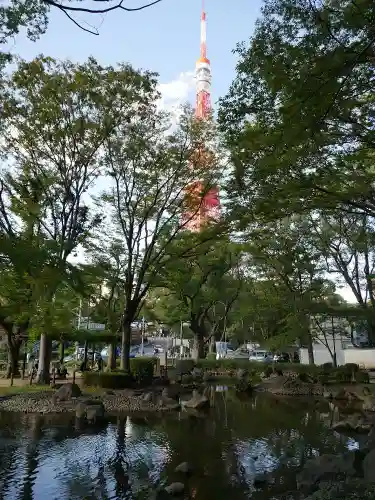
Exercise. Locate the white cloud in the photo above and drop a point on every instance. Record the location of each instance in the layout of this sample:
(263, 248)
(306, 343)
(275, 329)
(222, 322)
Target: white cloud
(177, 92)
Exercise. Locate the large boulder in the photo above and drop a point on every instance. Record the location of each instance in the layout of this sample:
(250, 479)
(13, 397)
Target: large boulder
(197, 401)
(197, 374)
(326, 468)
(175, 489)
(353, 423)
(183, 468)
(67, 392)
(368, 403)
(95, 412)
(345, 395)
(148, 397)
(91, 410)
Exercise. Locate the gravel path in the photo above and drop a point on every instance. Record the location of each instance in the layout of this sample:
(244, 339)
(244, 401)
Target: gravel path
(41, 402)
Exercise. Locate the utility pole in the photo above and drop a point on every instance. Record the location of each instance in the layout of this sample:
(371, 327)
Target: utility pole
(142, 335)
(181, 334)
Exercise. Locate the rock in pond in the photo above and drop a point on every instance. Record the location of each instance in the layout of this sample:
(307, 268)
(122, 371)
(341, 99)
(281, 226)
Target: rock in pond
(92, 410)
(184, 468)
(169, 404)
(175, 489)
(67, 392)
(353, 424)
(197, 401)
(148, 397)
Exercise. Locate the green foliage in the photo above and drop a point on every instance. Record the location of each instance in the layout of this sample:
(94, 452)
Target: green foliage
(184, 366)
(298, 113)
(324, 374)
(142, 369)
(105, 380)
(141, 372)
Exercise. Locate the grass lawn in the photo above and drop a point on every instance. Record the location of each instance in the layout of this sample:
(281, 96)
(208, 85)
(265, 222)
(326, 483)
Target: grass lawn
(23, 389)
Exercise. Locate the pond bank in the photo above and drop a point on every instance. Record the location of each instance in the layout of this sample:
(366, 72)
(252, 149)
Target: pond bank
(69, 398)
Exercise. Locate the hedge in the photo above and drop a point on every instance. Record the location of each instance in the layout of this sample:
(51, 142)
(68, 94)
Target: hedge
(107, 380)
(325, 373)
(141, 372)
(142, 369)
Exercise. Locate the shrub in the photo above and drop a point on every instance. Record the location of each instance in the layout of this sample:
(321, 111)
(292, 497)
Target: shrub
(211, 356)
(107, 380)
(303, 377)
(351, 367)
(362, 377)
(327, 366)
(184, 366)
(142, 369)
(227, 365)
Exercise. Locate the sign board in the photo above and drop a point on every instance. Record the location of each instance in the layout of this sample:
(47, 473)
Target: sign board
(93, 326)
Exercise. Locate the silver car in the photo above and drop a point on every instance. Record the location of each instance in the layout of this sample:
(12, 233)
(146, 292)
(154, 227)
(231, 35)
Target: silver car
(261, 356)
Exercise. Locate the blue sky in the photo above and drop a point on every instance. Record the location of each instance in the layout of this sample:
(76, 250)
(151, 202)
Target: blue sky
(163, 38)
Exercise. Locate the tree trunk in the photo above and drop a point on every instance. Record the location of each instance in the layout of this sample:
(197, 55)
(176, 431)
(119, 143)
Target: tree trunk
(62, 351)
(85, 355)
(14, 346)
(45, 349)
(125, 345)
(111, 363)
(198, 346)
(212, 345)
(310, 349)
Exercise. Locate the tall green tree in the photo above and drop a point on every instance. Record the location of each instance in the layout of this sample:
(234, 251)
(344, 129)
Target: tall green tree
(56, 118)
(299, 114)
(148, 201)
(202, 290)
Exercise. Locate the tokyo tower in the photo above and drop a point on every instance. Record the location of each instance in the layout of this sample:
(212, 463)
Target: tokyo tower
(207, 208)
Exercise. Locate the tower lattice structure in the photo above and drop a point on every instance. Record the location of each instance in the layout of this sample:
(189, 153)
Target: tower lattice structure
(207, 208)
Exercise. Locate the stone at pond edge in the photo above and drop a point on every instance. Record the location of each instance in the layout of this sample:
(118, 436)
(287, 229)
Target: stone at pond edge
(148, 397)
(175, 489)
(66, 392)
(197, 401)
(354, 424)
(184, 467)
(93, 410)
(169, 404)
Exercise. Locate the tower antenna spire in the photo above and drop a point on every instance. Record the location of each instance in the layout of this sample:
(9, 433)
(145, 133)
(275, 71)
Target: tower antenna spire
(209, 209)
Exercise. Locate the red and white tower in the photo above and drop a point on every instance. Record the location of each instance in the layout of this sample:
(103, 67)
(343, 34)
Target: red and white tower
(209, 206)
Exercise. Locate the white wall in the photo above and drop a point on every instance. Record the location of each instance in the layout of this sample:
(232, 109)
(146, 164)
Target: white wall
(362, 357)
(321, 355)
(365, 357)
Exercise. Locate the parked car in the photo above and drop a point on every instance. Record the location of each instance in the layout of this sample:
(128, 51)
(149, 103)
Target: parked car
(261, 356)
(238, 354)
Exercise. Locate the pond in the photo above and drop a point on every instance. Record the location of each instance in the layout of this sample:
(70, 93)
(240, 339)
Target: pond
(130, 457)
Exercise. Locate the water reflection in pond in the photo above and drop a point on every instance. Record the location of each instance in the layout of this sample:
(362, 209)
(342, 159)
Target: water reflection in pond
(130, 457)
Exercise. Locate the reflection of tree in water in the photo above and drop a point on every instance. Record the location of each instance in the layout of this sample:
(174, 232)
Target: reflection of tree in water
(130, 457)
